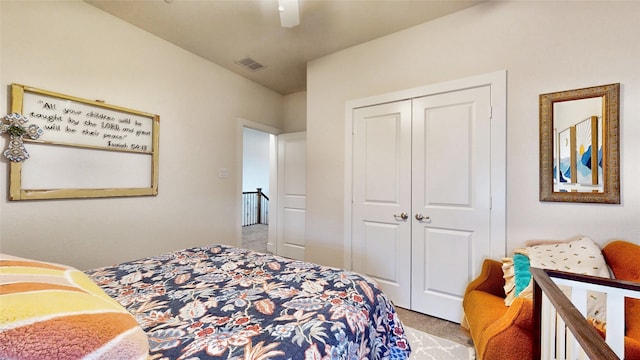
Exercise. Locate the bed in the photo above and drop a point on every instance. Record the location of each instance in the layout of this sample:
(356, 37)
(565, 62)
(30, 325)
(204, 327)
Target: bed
(224, 302)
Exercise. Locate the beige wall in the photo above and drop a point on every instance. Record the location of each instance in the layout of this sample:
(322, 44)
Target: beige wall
(545, 47)
(73, 48)
(295, 112)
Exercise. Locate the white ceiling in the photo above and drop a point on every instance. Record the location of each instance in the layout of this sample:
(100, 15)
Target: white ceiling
(226, 31)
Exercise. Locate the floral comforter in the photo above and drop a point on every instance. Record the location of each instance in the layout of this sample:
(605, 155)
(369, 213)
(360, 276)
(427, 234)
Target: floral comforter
(231, 303)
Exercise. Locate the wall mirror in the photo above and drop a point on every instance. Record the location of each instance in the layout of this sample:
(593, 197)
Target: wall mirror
(579, 148)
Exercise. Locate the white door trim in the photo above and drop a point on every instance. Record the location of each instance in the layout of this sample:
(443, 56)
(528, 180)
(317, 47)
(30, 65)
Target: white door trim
(240, 125)
(498, 82)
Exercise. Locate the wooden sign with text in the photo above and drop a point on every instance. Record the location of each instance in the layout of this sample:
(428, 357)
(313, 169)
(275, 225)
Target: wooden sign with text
(88, 149)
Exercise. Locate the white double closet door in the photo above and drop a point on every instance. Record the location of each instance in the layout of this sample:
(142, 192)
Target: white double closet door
(421, 197)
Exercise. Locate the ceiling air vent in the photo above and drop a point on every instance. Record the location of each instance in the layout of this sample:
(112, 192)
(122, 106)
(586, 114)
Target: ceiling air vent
(250, 64)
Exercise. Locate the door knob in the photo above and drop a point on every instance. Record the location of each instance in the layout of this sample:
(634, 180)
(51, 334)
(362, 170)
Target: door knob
(402, 216)
(421, 217)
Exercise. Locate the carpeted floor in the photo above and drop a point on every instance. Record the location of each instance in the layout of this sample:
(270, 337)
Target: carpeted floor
(432, 325)
(255, 237)
(430, 347)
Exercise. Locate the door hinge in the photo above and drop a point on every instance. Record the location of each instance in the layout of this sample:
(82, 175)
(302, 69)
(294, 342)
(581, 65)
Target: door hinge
(490, 112)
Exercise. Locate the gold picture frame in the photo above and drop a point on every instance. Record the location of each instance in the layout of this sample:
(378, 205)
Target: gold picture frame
(608, 156)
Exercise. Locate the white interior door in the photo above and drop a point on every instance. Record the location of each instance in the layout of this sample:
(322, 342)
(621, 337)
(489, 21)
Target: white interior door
(451, 197)
(291, 204)
(430, 159)
(381, 237)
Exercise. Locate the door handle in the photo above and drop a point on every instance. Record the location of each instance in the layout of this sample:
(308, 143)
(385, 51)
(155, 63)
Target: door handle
(402, 216)
(421, 217)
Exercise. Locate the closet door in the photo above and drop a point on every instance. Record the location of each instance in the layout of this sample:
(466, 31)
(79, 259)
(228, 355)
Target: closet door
(381, 224)
(450, 196)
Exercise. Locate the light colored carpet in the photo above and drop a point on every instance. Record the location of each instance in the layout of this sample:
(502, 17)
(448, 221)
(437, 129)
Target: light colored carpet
(434, 326)
(426, 347)
(255, 237)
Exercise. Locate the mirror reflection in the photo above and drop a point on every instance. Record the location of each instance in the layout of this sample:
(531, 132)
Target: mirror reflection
(577, 163)
(579, 151)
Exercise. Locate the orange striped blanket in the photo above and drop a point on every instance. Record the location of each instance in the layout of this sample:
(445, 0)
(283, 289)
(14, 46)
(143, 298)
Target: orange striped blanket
(53, 311)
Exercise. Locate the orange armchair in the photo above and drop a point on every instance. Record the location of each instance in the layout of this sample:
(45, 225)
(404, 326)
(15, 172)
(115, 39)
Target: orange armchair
(501, 332)
(498, 331)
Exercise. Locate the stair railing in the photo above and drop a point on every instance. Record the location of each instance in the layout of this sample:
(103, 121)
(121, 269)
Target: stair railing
(255, 208)
(560, 327)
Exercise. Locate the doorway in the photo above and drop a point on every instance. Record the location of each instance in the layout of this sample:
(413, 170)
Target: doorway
(286, 190)
(268, 186)
(256, 175)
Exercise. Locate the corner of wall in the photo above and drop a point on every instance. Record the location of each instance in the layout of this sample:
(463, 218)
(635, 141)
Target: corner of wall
(295, 112)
